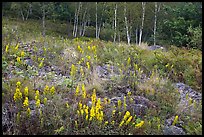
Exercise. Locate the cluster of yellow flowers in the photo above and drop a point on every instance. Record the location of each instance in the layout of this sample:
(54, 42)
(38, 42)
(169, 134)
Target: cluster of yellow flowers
(17, 94)
(26, 102)
(18, 59)
(175, 120)
(26, 91)
(80, 49)
(52, 90)
(128, 61)
(88, 65)
(83, 91)
(46, 90)
(77, 90)
(73, 70)
(82, 71)
(139, 124)
(127, 114)
(7, 47)
(94, 49)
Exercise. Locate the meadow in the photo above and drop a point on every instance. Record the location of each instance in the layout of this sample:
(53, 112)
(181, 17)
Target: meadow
(55, 85)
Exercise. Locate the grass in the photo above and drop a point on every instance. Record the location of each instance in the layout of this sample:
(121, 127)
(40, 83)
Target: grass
(73, 63)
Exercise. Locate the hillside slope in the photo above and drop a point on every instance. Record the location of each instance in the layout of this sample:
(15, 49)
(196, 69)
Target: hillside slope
(55, 85)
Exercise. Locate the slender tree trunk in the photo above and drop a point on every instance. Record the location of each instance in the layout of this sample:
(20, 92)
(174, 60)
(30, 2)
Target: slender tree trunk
(141, 28)
(77, 20)
(136, 33)
(29, 11)
(96, 22)
(126, 24)
(22, 14)
(101, 20)
(115, 21)
(83, 22)
(75, 16)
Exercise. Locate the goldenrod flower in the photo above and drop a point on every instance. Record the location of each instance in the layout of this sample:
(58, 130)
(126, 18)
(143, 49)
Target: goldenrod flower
(37, 103)
(129, 93)
(76, 124)
(67, 105)
(77, 90)
(26, 102)
(175, 120)
(83, 90)
(26, 91)
(28, 112)
(73, 70)
(128, 121)
(22, 53)
(45, 100)
(88, 65)
(119, 103)
(17, 95)
(89, 48)
(37, 94)
(139, 124)
(7, 46)
(16, 48)
(127, 114)
(88, 57)
(18, 59)
(52, 90)
(106, 123)
(80, 105)
(113, 112)
(121, 123)
(41, 64)
(113, 122)
(46, 89)
(128, 61)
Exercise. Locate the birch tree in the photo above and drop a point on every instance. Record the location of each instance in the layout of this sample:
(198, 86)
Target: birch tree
(115, 21)
(126, 23)
(77, 11)
(141, 28)
(157, 9)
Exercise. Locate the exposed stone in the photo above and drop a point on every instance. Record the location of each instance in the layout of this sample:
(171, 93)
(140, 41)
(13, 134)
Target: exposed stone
(173, 130)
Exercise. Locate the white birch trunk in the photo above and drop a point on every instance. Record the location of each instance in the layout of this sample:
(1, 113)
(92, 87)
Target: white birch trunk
(141, 28)
(75, 16)
(99, 27)
(157, 9)
(77, 20)
(83, 23)
(115, 21)
(126, 24)
(136, 39)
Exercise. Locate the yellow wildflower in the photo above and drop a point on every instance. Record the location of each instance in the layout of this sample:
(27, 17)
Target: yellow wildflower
(128, 61)
(52, 90)
(28, 112)
(18, 84)
(73, 70)
(121, 123)
(22, 53)
(37, 103)
(88, 57)
(26, 91)
(88, 65)
(76, 124)
(45, 100)
(83, 90)
(175, 120)
(18, 59)
(128, 121)
(16, 48)
(113, 122)
(7, 46)
(26, 102)
(77, 90)
(119, 104)
(89, 48)
(37, 94)
(41, 64)
(106, 123)
(139, 124)
(127, 114)
(46, 89)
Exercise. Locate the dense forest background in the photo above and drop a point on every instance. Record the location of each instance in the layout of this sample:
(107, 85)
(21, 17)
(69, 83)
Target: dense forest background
(163, 23)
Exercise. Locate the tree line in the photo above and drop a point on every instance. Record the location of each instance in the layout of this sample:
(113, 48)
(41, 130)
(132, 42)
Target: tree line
(168, 23)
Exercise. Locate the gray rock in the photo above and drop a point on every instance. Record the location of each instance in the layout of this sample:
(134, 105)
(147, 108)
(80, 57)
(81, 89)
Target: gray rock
(173, 130)
(155, 47)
